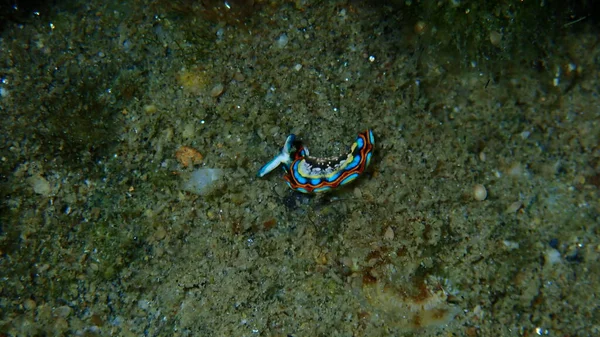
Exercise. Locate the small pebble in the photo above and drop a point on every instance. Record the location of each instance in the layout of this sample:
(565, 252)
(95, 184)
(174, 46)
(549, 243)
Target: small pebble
(551, 256)
(479, 192)
(495, 38)
(516, 170)
(239, 77)
(389, 234)
(3, 92)
(217, 90)
(189, 130)
(515, 206)
(29, 304)
(63, 311)
(40, 185)
(282, 40)
(150, 108)
(160, 233)
(511, 245)
(187, 156)
(143, 304)
(220, 32)
(420, 27)
(60, 326)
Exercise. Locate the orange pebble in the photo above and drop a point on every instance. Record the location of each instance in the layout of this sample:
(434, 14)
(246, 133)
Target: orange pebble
(188, 156)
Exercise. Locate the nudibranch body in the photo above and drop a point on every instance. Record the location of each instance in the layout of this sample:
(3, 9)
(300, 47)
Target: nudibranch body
(308, 174)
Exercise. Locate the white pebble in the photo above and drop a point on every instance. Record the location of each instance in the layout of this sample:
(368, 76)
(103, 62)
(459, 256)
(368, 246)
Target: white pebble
(282, 40)
(40, 185)
(3, 92)
(63, 311)
(220, 33)
(511, 245)
(552, 256)
(479, 192)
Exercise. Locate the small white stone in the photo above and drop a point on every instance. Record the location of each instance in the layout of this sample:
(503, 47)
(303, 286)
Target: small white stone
(479, 192)
(510, 245)
(282, 40)
(552, 256)
(40, 185)
(63, 311)
(3, 92)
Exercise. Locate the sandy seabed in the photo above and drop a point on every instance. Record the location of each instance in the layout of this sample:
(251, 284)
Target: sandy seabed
(100, 237)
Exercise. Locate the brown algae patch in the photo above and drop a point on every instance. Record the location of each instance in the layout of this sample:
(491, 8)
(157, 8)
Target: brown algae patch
(188, 156)
(424, 304)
